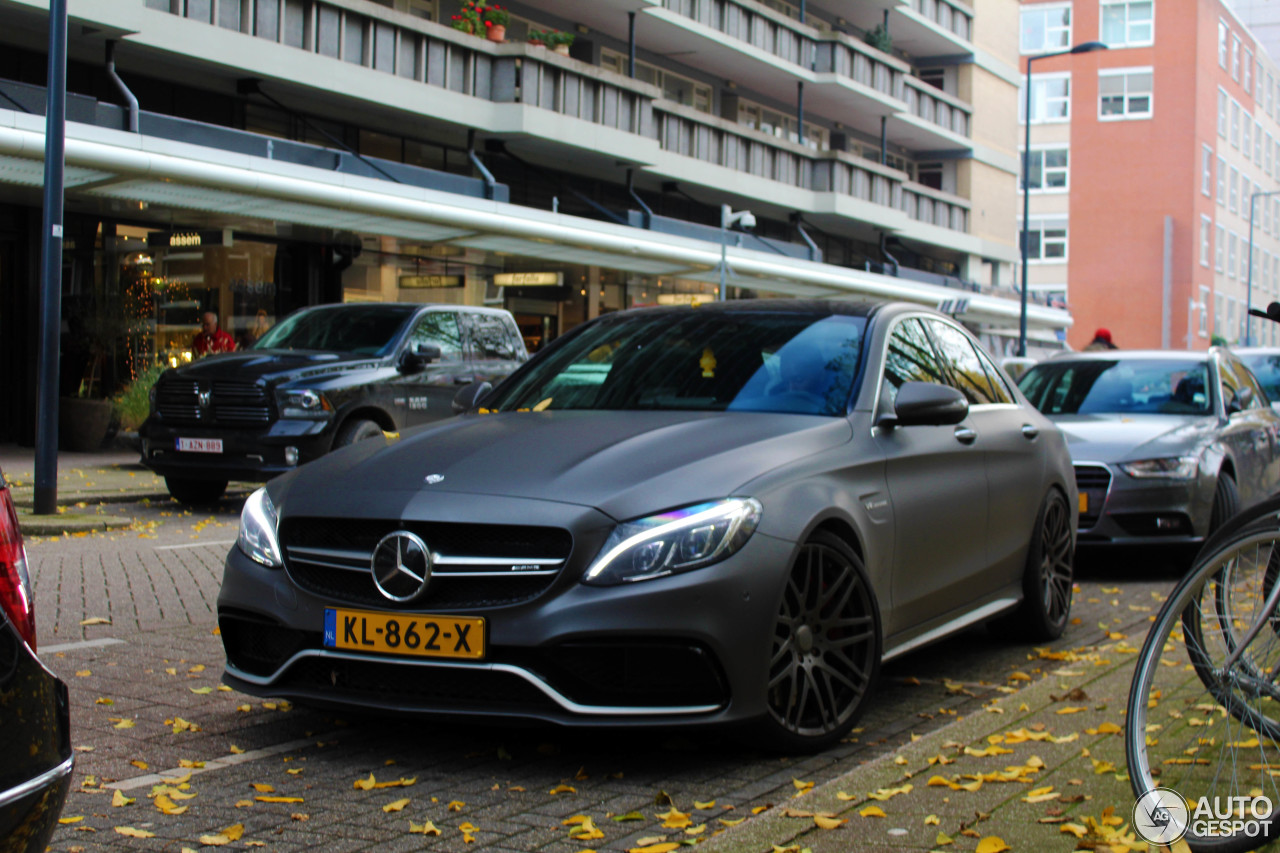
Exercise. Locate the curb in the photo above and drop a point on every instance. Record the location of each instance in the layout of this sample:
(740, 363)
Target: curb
(56, 525)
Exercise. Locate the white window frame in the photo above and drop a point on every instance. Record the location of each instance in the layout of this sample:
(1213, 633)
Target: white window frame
(1233, 191)
(1246, 135)
(1266, 154)
(1235, 124)
(1065, 170)
(1041, 82)
(1206, 231)
(1044, 9)
(1128, 25)
(1047, 223)
(617, 62)
(1205, 296)
(1233, 241)
(1126, 97)
(1257, 142)
(1206, 171)
(1222, 181)
(1235, 57)
(1220, 248)
(1248, 71)
(1222, 43)
(1222, 112)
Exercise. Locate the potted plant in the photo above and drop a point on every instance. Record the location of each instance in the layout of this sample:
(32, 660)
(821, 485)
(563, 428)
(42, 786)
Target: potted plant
(879, 38)
(495, 20)
(537, 38)
(558, 41)
(468, 19)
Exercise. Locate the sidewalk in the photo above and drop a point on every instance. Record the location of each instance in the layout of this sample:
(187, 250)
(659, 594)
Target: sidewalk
(88, 484)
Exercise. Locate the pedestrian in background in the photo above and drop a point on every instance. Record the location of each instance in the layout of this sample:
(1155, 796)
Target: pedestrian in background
(1101, 340)
(210, 339)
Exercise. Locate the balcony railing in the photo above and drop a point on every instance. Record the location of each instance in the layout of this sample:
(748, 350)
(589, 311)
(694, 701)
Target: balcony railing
(954, 17)
(937, 107)
(758, 26)
(934, 207)
(849, 57)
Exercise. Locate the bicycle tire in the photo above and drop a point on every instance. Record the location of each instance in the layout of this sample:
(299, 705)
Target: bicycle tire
(1211, 732)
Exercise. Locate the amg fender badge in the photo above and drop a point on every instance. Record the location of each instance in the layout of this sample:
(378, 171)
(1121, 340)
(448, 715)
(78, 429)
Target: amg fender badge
(432, 479)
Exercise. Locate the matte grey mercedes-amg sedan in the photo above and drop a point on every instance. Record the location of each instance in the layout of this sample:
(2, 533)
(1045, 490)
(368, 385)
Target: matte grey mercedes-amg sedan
(730, 513)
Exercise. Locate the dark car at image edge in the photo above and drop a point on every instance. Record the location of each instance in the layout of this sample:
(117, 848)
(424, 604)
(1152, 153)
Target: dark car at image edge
(723, 515)
(35, 741)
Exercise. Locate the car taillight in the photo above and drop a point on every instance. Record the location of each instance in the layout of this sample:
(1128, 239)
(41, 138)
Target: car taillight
(15, 583)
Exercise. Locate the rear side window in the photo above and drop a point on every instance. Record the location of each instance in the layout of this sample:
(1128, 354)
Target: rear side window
(492, 338)
(961, 362)
(439, 328)
(910, 358)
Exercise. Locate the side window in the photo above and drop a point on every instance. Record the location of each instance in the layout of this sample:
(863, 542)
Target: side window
(1230, 384)
(999, 389)
(490, 338)
(909, 358)
(961, 362)
(1248, 380)
(439, 328)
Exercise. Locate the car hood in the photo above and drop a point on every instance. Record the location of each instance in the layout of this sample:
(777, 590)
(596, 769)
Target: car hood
(1116, 438)
(625, 464)
(273, 365)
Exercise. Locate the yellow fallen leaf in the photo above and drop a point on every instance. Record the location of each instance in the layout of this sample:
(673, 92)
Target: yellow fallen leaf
(455, 805)
(397, 805)
(118, 799)
(1100, 767)
(98, 620)
(1105, 729)
(243, 709)
(263, 788)
(872, 811)
(662, 847)
(141, 765)
(187, 762)
(841, 795)
(365, 784)
(704, 806)
(943, 840)
(81, 673)
(901, 760)
(427, 828)
(402, 782)
(279, 799)
(168, 806)
(103, 700)
(675, 819)
(759, 809)
(828, 822)
(1074, 829)
(201, 691)
(885, 793)
(992, 844)
(802, 787)
(69, 820)
(235, 750)
(1070, 709)
(563, 789)
(130, 832)
(932, 820)
(575, 820)
(731, 821)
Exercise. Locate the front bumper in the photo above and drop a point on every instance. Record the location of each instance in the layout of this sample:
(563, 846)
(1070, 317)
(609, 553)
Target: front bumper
(686, 649)
(247, 454)
(1146, 512)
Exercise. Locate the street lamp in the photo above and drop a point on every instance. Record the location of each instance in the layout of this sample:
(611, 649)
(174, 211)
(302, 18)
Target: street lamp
(1084, 47)
(1248, 288)
(729, 217)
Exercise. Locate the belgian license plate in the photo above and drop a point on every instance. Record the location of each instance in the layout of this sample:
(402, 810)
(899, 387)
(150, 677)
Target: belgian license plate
(415, 634)
(1084, 502)
(200, 445)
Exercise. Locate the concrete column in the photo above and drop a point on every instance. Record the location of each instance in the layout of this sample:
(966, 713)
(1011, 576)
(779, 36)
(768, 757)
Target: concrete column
(593, 292)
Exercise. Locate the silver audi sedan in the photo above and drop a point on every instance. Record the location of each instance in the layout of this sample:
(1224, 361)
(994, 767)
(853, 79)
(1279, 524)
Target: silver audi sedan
(1166, 445)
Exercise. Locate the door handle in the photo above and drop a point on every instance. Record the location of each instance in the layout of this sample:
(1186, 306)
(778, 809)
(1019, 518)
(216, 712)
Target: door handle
(964, 435)
(1029, 431)
(463, 380)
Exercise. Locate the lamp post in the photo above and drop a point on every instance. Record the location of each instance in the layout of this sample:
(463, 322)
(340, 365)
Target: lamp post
(1084, 47)
(729, 218)
(1248, 288)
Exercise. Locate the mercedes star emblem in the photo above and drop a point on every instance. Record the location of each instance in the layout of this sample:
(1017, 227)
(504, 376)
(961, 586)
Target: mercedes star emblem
(401, 566)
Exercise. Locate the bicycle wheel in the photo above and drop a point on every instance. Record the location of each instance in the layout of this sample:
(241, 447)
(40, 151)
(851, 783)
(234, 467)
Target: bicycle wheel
(1204, 706)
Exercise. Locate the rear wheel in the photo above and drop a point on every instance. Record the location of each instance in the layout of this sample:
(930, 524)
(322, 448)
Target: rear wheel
(189, 491)
(1047, 580)
(826, 648)
(357, 430)
(1226, 501)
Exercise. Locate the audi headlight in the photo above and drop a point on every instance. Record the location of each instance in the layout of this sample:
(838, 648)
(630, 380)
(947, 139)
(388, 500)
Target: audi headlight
(1165, 468)
(675, 541)
(303, 403)
(257, 538)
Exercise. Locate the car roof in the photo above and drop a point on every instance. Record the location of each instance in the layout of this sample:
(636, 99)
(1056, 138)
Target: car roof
(1132, 355)
(410, 306)
(824, 307)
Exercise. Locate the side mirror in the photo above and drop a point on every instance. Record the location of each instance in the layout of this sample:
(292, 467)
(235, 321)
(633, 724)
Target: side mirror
(469, 395)
(925, 404)
(418, 356)
(1240, 401)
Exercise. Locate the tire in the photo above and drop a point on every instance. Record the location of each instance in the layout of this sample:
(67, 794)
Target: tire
(356, 430)
(189, 491)
(1213, 735)
(1047, 579)
(825, 652)
(1226, 501)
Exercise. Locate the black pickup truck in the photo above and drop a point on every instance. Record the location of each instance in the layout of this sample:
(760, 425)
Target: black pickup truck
(323, 377)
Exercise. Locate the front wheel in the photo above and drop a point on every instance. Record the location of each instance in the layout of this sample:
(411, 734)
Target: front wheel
(825, 652)
(357, 430)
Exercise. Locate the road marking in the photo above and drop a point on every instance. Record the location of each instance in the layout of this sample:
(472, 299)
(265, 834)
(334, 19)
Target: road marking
(167, 776)
(83, 644)
(195, 545)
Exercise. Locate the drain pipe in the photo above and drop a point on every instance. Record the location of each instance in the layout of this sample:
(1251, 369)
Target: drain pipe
(884, 250)
(798, 221)
(489, 182)
(129, 97)
(631, 189)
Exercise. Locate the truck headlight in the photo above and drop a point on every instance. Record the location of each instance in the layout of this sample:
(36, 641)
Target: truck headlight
(1164, 468)
(258, 521)
(303, 403)
(676, 541)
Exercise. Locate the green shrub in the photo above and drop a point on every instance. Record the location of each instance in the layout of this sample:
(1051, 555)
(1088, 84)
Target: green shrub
(133, 404)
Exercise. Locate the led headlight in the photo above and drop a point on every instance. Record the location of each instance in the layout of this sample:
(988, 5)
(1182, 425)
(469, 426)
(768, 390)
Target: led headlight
(257, 538)
(1165, 468)
(675, 541)
(303, 403)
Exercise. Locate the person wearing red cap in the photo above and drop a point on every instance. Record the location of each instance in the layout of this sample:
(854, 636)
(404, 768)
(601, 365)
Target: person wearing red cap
(1101, 340)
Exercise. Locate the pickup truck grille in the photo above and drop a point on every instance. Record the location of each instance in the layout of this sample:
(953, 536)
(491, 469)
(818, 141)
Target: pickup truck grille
(475, 565)
(230, 403)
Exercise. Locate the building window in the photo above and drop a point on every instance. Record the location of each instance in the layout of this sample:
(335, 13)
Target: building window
(1266, 155)
(781, 125)
(1045, 27)
(1235, 124)
(1271, 95)
(1047, 170)
(1233, 191)
(935, 77)
(1257, 143)
(1046, 239)
(675, 87)
(1231, 254)
(1127, 23)
(1204, 311)
(1222, 113)
(1235, 57)
(1222, 43)
(1206, 226)
(1050, 98)
(1125, 93)
(1219, 249)
(1206, 171)
(1248, 70)
(1222, 181)
(1247, 144)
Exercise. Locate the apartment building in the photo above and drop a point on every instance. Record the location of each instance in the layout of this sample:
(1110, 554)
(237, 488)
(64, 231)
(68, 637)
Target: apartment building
(254, 156)
(1153, 170)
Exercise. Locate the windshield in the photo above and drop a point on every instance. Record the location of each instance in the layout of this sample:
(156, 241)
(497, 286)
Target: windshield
(1266, 367)
(1123, 386)
(766, 361)
(360, 329)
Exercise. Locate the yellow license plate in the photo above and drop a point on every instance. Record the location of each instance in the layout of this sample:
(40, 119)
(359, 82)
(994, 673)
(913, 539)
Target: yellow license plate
(415, 634)
(1084, 502)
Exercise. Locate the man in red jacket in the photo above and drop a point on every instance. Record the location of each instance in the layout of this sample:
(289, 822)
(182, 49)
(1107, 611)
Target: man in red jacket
(211, 339)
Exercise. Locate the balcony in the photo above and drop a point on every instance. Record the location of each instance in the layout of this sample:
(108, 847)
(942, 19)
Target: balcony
(933, 120)
(920, 28)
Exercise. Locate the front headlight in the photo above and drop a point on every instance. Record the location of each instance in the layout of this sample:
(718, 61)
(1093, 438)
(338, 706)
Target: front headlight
(1166, 468)
(675, 541)
(257, 538)
(303, 403)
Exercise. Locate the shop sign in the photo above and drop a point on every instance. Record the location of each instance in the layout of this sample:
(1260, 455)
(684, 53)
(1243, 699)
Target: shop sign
(417, 282)
(529, 279)
(189, 239)
(686, 298)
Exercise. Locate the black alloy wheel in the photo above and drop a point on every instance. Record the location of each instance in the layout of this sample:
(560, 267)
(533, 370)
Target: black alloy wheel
(357, 430)
(825, 652)
(1047, 581)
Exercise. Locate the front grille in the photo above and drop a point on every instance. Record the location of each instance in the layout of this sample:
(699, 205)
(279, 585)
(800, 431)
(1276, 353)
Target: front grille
(477, 565)
(1093, 481)
(259, 646)
(231, 403)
